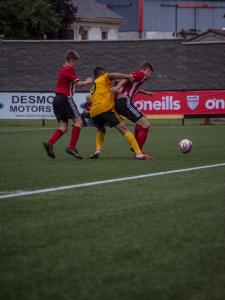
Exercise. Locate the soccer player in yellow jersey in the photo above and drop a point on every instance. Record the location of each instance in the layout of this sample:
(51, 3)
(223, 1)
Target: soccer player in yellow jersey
(103, 111)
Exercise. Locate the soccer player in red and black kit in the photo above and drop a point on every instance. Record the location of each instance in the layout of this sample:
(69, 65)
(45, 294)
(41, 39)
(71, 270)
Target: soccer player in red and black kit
(64, 106)
(126, 91)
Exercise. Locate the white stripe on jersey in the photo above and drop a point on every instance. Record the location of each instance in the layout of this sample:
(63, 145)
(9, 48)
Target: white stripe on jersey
(131, 89)
(72, 86)
(71, 89)
(134, 87)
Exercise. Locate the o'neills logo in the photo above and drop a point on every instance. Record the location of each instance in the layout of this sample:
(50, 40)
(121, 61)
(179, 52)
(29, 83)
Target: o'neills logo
(215, 104)
(166, 103)
(193, 101)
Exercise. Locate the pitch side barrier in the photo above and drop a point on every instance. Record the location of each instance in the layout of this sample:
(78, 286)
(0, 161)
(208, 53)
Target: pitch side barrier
(32, 105)
(160, 105)
(182, 104)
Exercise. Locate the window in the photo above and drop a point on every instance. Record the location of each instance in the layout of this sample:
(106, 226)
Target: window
(104, 35)
(83, 33)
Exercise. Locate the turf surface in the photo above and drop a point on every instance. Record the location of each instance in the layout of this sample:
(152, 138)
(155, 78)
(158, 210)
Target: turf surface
(154, 238)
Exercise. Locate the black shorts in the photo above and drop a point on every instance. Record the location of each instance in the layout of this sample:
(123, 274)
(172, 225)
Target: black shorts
(109, 118)
(126, 108)
(65, 108)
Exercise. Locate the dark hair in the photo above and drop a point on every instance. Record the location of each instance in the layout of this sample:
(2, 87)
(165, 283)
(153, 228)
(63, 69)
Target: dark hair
(71, 54)
(98, 71)
(146, 65)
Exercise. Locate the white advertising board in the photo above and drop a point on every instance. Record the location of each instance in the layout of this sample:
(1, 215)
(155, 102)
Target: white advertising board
(32, 105)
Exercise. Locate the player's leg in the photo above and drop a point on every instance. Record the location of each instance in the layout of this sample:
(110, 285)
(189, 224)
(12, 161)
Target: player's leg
(74, 115)
(75, 133)
(54, 138)
(99, 123)
(63, 126)
(60, 115)
(126, 108)
(87, 121)
(114, 120)
(83, 117)
(100, 137)
(128, 135)
(141, 131)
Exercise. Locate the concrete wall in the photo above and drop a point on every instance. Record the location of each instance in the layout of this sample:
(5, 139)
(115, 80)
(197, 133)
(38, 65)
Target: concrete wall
(33, 66)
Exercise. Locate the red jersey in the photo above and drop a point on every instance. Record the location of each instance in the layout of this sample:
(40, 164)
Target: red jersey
(66, 80)
(130, 89)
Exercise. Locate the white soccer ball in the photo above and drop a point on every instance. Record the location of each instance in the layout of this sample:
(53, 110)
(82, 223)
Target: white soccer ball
(185, 145)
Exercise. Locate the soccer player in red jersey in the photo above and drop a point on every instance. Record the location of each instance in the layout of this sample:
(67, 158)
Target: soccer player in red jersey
(64, 106)
(126, 90)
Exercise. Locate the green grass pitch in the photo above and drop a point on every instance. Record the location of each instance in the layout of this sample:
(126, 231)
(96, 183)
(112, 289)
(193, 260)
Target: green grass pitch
(155, 238)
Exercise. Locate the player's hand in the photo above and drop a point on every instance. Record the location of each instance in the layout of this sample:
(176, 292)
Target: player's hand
(131, 79)
(89, 80)
(146, 92)
(114, 90)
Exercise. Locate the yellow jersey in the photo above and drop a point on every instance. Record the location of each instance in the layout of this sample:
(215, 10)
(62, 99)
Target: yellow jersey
(102, 99)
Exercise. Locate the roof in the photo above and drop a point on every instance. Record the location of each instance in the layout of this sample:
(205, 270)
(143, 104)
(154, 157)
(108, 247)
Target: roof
(217, 31)
(93, 9)
(212, 35)
(177, 66)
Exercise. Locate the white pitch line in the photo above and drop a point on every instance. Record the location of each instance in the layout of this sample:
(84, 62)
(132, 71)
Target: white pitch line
(87, 184)
(8, 192)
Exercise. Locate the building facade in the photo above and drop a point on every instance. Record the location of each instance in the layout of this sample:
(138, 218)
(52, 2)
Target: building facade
(164, 18)
(94, 21)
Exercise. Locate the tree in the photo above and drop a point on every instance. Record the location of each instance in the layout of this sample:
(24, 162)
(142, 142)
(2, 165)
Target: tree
(27, 19)
(66, 10)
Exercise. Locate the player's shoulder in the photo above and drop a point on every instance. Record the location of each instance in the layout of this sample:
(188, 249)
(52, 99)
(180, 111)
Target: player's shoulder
(68, 68)
(137, 71)
(104, 77)
(107, 78)
(138, 75)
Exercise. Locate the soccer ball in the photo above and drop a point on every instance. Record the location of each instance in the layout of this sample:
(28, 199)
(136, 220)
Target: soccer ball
(185, 145)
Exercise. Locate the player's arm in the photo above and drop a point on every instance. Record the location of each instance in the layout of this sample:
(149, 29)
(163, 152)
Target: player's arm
(85, 82)
(116, 88)
(124, 77)
(114, 76)
(77, 82)
(146, 92)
